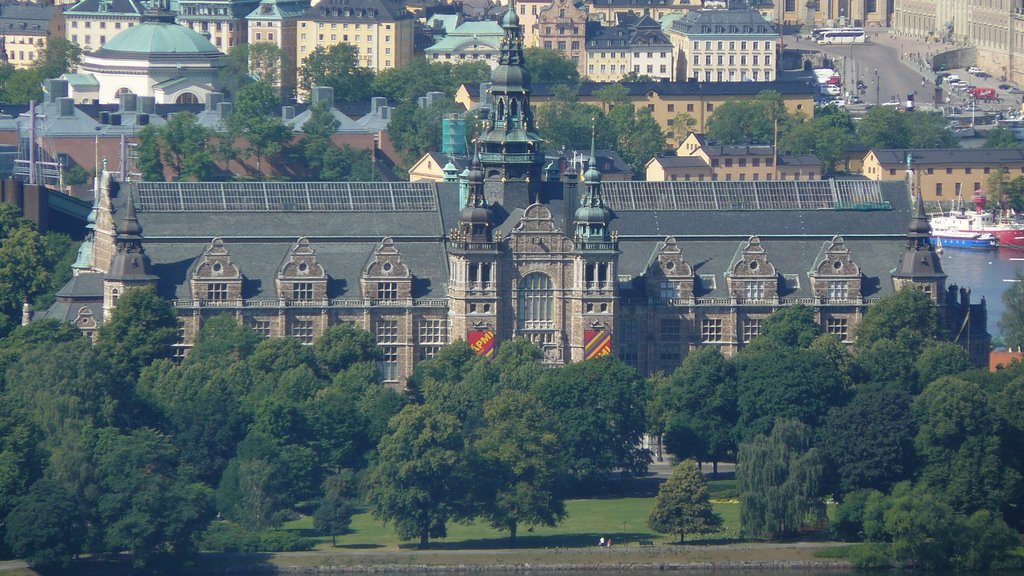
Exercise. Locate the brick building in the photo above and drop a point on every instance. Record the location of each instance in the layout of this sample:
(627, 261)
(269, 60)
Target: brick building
(644, 270)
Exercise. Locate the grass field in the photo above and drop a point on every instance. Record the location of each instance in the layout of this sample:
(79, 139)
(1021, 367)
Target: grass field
(624, 520)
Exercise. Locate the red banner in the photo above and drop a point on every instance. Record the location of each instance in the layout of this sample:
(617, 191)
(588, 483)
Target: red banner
(482, 343)
(596, 343)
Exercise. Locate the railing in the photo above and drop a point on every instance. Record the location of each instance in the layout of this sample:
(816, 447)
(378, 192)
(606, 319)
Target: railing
(528, 158)
(486, 246)
(596, 245)
(322, 303)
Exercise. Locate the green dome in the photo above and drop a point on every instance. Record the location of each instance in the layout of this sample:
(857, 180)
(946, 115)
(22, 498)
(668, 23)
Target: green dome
(160, 38)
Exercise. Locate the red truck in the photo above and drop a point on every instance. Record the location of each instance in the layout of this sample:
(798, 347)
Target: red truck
(983, 93)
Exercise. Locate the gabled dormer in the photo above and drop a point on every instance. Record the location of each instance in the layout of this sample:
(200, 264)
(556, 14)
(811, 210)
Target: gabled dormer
(752, 276)
(300, 278)
(836, 276)
(669, 276)
(386, 278)
(214, 278)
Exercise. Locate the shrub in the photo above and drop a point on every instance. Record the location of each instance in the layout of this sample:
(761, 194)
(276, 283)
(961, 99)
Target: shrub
(870, 556)
(229, 537)
(848, 524)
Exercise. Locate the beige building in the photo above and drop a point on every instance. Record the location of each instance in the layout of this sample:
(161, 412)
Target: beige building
(725, 46)
(90, 23)
(994, 27)
(562, 26)
(609, 11)
(666, 100)
(274, 22)
(946, 174)
(635, 44)
(835, 12)
(380, 30)
(529, 11)
(697, 160)
(222, 21)
(25, 29)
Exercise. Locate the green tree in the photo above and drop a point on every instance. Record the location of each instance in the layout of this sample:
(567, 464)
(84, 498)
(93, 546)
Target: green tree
(1011, 325)
(318, 131)
(869, 443)
(923, 530)
(341, 346)
(141, 329)
(256, 117)
(25, 269)
(779, 480)
(883, 127)
(60, 57)
(567, 124)
(420, 76)
(184, 144)
(929, 130)
(150, 159)
(267, 63)
(683, 504)
(21, 456)
(907, 315)
(222, 337)
(520, 463)
(338, 67)
(333, 516)
(418, 481)
(1000, 137)
(147, 504)
(828, 135)
(600, 404)
(549, 66)
(45, 527)
(700, 401)
(415, 131)
(740, 122)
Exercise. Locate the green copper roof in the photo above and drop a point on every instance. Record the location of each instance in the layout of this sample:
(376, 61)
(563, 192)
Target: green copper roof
(160, 38)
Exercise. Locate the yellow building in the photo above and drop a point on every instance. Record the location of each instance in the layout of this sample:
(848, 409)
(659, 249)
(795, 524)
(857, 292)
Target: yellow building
(562, 26)
(945, 174)
(697, 160)
(725, 46)
(90, 23)
(25, 29)
(380, 30)
(528, 11)
(666, 100)
(222, 21)
(836, 12)
(274, 22)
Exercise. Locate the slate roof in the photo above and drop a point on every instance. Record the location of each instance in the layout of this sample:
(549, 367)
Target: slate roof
(25, 18)
(722, 22)
(278, 10)
(943, 156)
(110, 8)
(681, 162)
(357, 11)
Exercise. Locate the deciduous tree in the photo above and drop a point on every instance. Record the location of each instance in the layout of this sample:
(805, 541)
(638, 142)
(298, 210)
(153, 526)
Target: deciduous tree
(141, 329)
(338, 67)
(683, 505)
(45, 527)
(550, 66)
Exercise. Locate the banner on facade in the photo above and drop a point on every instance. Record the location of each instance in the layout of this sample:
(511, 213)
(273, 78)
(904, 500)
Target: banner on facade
(482, 343)
(596, 343)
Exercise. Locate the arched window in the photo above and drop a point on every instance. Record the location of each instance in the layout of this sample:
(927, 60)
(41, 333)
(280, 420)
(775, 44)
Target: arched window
(514, 108)
(114, 294)
(120, 91)
(536, 302)
(501, 108)
(187, 98)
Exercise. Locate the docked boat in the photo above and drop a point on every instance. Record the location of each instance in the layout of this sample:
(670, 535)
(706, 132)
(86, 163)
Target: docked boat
(958, 239)
(973, 227)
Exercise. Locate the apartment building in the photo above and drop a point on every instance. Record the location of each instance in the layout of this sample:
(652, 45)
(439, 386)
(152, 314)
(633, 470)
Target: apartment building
(275, 22)
(90, 23)
(698, 160)
(994, 27)
(725, 46)
(222, 21)
(633, 45)
(562, 26)
(945, 175)
(380, 30)
(665, 100)
(528, 11)
(25, 30)
(609, 11)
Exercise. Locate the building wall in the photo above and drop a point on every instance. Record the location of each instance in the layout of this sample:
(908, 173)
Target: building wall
(941, 183)
(382, 44)
(726, 57)
(25, 47)
(90, 31)
(528, 11)
(562, 26)
(280, 33)
(609, 13)
(223, 21)
(835, 12)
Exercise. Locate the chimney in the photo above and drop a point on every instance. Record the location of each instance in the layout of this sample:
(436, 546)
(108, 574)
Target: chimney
(376, 103)
(65, 107)
(128, 102)
(147, 104)
(104, 117)
(55, 88)
(142, 119)
(287, 112)
(225, 108)
(213, 99)
(385, 112)
(323, 94)
(115, 119)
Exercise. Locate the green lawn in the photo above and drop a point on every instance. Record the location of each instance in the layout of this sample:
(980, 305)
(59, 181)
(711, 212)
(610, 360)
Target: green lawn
(624, 520)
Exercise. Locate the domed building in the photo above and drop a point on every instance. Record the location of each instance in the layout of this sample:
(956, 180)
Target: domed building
(158, 58)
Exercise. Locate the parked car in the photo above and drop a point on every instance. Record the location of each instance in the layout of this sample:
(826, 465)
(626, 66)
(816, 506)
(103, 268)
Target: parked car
(982, 74)
(861, 85)
(1004, 86)
(952, 78)
(1015, 90)
(973, 70)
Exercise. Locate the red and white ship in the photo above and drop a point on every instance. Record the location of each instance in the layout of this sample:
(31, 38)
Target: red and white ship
(1008, 230)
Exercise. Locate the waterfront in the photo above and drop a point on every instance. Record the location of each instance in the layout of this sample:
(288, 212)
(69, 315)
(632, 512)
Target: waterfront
(985, 272)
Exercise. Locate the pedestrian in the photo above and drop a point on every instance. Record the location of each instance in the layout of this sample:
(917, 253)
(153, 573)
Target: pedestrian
(601, 541)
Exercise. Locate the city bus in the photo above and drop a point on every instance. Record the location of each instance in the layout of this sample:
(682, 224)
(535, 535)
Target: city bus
(842, 36)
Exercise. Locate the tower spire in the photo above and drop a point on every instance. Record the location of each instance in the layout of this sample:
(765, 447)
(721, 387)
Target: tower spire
(592, 217)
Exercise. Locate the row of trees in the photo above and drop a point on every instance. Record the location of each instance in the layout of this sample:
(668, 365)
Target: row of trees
(21, 85)
(190, 151)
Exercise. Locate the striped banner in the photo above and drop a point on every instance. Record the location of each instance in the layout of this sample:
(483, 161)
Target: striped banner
(596, 343)
(482, 343)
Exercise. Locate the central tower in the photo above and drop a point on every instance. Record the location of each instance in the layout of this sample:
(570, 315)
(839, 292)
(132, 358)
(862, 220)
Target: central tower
(510, 149)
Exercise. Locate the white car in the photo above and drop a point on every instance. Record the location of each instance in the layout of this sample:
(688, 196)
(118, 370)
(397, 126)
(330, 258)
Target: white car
(973, 70)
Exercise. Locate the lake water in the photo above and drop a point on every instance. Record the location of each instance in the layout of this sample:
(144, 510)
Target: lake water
(986, 273)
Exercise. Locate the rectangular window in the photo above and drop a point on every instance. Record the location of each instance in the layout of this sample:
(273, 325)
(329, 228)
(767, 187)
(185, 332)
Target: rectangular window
(671, 330)
(387, 291)
(302, 291)
(387, 331)
(301, 330)
(753, 290)
(751, 329)
(432, 332)
(938, 188)
(837, 327)
(262, 328)
(389, 363)
(838, 289)
(711, 330)
(217, 292)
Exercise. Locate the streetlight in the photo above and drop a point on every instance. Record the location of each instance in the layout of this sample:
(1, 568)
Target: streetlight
(878, 88)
